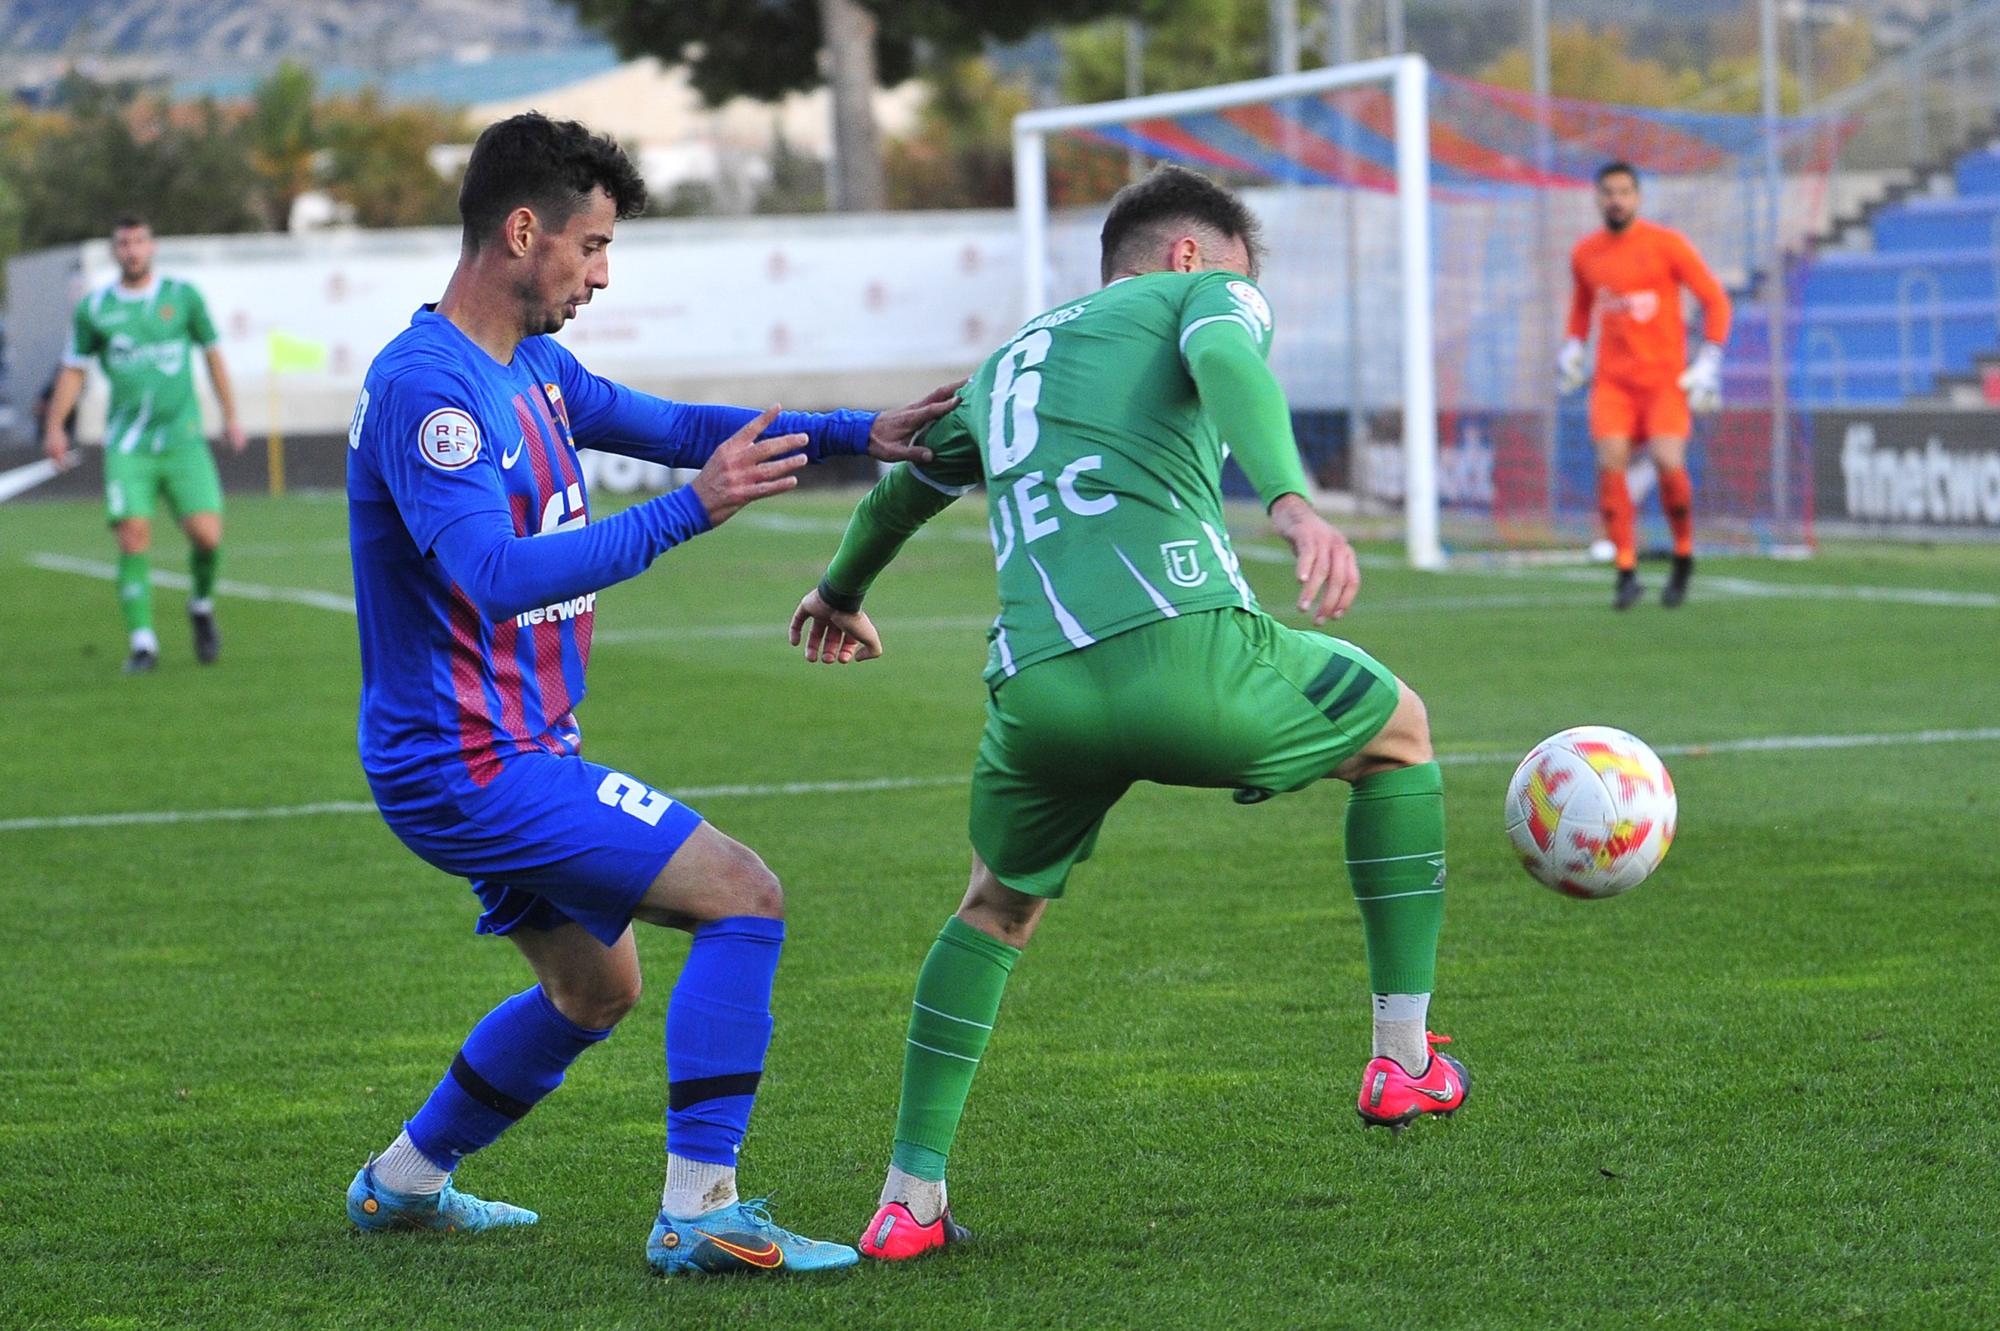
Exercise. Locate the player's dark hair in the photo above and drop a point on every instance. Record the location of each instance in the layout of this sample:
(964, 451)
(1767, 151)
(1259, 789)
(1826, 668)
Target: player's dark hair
(551, 166)
(1620, 168)
(126, 221)
(1170, 197)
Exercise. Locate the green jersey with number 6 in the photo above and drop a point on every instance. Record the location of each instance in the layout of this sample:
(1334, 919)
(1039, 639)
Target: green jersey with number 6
(1103, 472)
(144, 340)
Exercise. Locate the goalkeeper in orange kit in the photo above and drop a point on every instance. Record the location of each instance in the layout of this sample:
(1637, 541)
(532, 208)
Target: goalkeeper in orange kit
(1631, 274)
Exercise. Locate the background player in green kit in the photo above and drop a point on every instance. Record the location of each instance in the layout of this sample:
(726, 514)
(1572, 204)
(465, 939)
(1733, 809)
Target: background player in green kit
(1129, 648)
(142, 329)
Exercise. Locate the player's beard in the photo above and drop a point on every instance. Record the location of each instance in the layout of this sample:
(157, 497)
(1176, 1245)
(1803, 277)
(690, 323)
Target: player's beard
(1615, 223)
(539, 315)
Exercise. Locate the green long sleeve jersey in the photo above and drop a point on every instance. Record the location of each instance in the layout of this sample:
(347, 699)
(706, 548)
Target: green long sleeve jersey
(1100, 431)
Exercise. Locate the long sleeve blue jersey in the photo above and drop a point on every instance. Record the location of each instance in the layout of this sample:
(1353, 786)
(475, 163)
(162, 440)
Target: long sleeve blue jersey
(476, 564)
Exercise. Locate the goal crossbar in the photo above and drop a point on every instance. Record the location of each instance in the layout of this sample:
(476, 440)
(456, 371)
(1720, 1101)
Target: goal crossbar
(1408, 77)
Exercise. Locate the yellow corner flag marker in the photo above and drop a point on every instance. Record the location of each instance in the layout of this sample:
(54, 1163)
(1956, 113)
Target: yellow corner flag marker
(287, 353)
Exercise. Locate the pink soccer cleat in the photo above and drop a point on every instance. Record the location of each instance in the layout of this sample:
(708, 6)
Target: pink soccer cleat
(895, 1236)
(1391, 1098)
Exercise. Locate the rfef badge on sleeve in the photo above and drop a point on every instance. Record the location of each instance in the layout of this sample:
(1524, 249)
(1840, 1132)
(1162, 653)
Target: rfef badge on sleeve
(449, 439)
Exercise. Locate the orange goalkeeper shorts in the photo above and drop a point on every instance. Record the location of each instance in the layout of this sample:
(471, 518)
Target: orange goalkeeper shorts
(1628, 411)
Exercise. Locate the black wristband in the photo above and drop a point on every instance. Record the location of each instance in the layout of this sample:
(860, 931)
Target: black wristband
(846, 602)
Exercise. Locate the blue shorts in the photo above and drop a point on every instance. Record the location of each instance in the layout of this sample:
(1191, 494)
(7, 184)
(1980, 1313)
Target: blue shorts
(553, 840)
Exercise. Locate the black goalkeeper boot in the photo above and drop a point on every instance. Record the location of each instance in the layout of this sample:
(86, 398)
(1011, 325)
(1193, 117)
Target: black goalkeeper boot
(1676, 589)
(1628, 590)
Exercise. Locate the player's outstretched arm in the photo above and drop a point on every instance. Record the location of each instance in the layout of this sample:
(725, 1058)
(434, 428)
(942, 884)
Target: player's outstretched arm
(829, 623)
(894, 437)
(749, 466)
(612, 418)
(505, 574)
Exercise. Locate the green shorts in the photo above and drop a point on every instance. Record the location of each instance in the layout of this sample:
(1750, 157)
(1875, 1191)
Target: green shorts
(184, 471)
(1224, 698)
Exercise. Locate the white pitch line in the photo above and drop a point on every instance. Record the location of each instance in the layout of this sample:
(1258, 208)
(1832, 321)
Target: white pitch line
(1765, 744)
(1728, 586)
(157, 816)
(248, 591)
(1816, 591)
(666, 633)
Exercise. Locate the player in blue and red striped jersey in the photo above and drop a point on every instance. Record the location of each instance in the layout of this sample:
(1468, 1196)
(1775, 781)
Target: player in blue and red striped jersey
(476, 571)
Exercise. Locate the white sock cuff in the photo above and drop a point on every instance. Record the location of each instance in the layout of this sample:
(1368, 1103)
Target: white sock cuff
(696, 1187)
(1402, 1007)
(925, 1199)
(403, 1168)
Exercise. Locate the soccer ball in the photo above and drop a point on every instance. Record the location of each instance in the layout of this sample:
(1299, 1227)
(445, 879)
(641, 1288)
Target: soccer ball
(1591, 811)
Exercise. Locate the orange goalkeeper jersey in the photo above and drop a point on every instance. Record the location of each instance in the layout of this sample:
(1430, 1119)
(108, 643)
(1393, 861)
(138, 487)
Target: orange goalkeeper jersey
(1633, 279)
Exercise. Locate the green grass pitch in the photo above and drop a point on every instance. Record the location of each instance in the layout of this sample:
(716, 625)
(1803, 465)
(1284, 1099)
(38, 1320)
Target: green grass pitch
(1754, 1093)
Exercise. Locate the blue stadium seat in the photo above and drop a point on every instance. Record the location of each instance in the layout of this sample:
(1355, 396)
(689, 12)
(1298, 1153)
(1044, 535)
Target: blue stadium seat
(1979, 172)
(1879, 326)
(1843, 277)
(1938, 223)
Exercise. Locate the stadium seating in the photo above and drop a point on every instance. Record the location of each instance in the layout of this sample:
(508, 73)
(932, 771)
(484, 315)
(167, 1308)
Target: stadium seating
(1899, 319)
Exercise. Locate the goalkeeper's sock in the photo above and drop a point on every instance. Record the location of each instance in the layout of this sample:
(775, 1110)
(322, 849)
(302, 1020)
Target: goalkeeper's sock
(924, 1198)
(135, 597)
(1677, 502)
(517, 1054)
(958, 998)
(1395, 860)
(202, 565)
(1614, 508)
(718, 1029)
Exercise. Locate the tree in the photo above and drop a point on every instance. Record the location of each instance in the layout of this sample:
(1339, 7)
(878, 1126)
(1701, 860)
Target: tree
(772, 47)
(378, 161)
(184, 167)
(284, 140)
(962, 153)
(1189, 44)
(1596, 64)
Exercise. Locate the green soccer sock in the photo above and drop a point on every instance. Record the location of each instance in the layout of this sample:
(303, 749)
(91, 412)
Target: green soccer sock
(1395, 859)
(135, 592)
(202, 565)
(958, 997)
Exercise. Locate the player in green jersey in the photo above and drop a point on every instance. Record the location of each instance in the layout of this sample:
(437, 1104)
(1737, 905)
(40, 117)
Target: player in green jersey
(1129, 648)
(142, 329)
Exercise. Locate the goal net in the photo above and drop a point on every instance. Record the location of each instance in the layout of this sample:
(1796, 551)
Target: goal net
(1419, 228)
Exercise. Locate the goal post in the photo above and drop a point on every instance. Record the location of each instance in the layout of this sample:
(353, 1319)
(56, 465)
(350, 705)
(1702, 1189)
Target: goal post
(1407, 81)
(1420, 226)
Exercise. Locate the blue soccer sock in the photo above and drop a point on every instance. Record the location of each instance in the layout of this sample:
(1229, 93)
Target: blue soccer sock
(515, 1055)
(718, 1027)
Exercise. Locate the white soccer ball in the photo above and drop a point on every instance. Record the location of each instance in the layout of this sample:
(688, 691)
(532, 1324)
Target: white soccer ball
(1591, 811)
(1602, 551)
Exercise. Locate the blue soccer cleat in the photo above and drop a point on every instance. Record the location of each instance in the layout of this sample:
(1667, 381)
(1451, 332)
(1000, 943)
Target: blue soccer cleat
(375, 1209)
(739, 1238)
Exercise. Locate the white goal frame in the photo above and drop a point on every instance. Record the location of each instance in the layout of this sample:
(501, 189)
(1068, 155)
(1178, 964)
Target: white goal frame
(1408, 77)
